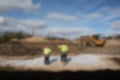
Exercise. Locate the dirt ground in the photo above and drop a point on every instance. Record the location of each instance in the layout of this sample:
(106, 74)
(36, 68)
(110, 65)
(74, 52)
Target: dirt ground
(81, 62)
(34, 49)
(28, 56)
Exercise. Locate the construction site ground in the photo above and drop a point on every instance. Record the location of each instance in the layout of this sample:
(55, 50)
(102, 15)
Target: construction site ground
(15, 57)
(26, 62)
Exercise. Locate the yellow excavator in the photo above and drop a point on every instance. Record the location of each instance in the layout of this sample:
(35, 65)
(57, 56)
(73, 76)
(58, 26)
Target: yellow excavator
(92, 41)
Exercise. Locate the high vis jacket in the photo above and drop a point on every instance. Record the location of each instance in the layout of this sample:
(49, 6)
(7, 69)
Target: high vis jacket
(47, 51)
(63, 48)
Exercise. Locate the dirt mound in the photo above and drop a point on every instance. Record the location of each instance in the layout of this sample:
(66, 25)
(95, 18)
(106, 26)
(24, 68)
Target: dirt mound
(34, 39)
(113, 42)
(36, 45)
(43, 40)
(19, 49)
(33, 48)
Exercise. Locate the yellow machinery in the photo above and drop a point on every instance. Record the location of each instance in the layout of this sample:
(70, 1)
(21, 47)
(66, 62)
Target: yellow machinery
(92, 41)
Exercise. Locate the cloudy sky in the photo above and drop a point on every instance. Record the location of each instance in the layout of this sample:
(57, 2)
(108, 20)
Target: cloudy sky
(62, 18)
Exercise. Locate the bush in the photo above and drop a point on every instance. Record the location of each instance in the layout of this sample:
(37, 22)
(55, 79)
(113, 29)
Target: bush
(7, 36)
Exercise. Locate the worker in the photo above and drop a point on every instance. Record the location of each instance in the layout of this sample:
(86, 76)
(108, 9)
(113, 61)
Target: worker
(64, 52)
(47, 51)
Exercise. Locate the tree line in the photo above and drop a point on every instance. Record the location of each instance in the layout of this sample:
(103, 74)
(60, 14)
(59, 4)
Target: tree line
(7, 36)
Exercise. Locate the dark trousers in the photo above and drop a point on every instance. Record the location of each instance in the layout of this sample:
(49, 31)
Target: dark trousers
(64, 57)
(46, 59)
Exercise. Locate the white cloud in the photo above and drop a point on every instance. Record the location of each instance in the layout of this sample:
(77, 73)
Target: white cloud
(116, 25)
(102, 15)
(108, 14)
(26, 25)
(59, 16)
(112, 32)
(110, 10)
(25, 5)
(114, 28)
(94, 16)
(2, 20)
(88, 18)
(69, 32)
(92, 4)
(33, 23)
(7, 23)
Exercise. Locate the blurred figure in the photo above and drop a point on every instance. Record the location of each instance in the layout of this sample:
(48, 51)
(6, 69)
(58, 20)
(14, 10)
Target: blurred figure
(64, 51)
(47, 51)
